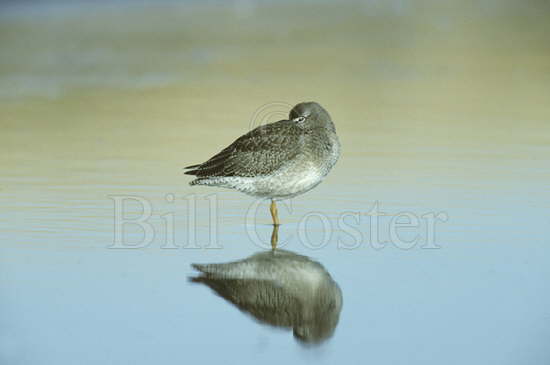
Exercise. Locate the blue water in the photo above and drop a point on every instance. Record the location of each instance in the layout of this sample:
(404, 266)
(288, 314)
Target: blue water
(434, 223)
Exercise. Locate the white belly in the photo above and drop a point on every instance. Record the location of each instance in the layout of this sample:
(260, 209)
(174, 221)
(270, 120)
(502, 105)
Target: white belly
(282, 185)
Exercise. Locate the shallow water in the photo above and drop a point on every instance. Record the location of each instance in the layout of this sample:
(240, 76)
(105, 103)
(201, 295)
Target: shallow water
(442, 113)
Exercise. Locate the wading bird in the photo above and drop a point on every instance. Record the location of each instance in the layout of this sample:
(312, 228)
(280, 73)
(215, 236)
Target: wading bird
(278, 160)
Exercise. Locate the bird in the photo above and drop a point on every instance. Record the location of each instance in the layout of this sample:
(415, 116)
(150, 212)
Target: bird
(279, 288)
(276, 161)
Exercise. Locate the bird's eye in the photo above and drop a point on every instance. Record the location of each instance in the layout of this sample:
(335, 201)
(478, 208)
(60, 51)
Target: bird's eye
(299, 119)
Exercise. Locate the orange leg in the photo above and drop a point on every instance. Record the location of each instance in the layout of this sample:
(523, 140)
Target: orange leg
(274, 215)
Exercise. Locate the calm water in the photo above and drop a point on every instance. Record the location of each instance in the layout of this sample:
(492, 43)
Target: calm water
(443, 114)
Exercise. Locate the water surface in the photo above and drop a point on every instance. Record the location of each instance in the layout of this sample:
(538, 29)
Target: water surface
(442, 113)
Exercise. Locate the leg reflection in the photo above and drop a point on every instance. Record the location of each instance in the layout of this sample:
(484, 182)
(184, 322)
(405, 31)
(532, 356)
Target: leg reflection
(274, 237)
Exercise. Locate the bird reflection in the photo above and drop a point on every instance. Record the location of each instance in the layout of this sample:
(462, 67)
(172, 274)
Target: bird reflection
(279, 288)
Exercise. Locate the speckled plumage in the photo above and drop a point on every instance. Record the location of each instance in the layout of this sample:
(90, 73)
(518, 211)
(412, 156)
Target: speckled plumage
(277, 160)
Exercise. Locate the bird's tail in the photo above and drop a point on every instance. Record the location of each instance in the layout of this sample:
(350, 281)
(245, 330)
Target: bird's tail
(193, 171)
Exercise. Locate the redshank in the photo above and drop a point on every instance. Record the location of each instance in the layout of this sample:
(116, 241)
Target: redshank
(276, 161)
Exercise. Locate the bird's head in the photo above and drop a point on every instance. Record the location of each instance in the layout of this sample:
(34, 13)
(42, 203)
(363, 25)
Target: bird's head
(311, 114)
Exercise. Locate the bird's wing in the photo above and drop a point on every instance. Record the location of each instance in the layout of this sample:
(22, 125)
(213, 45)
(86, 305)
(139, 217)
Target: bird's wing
(259, 152)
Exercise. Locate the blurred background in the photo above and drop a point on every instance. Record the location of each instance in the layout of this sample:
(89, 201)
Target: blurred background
(441, 106)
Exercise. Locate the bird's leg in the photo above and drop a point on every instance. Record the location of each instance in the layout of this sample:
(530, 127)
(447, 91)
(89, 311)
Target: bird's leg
(273, 210)
(274, 237)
